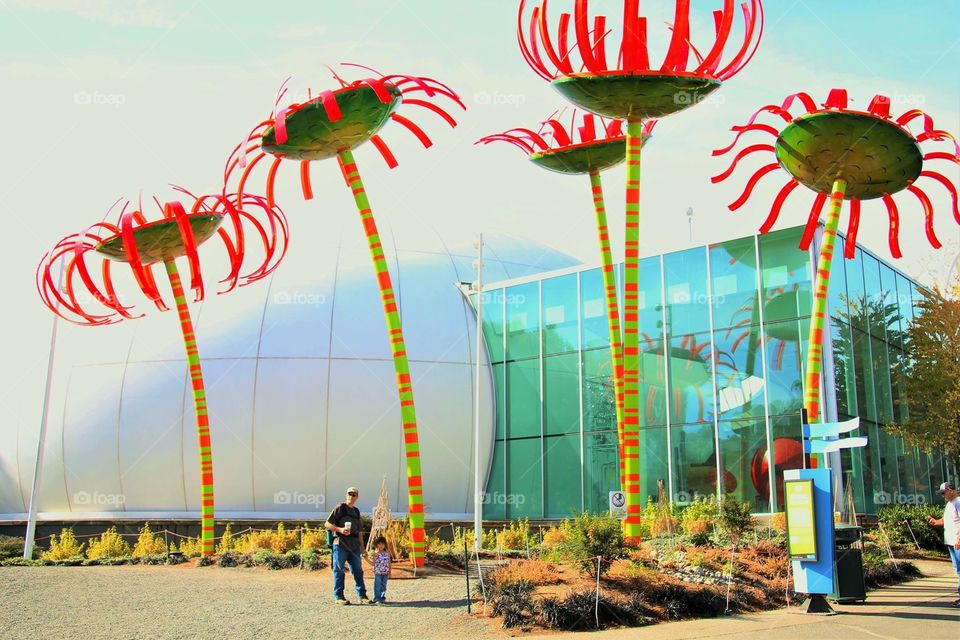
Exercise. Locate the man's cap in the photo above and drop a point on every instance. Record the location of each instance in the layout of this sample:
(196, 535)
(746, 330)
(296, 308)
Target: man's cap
(946, 486)
(353, 490)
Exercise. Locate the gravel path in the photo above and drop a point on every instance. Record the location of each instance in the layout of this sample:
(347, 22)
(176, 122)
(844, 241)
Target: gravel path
(212, 602)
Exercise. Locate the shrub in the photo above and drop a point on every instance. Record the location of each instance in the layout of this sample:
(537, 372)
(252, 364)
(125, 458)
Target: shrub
(191, 547)
(227, 542)
(698, 517)
(516, 536)
(153, 558)
(313, 538)
(556, 537)
(513, 601)
(65, 547)
(110, 544)
(734, 521)
(778, 522)
(11, 547)
(278, 541)
(19, 561)
(535, 572)
(148, 543)
(262, 556)
(889, 572)
(119, 560)
(580, 610)
(229, 559)
(312, 561)
(595, 536)
(205, 561)
(899, 519)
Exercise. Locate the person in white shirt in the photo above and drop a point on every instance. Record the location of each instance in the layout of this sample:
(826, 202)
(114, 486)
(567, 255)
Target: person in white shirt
(951, 528)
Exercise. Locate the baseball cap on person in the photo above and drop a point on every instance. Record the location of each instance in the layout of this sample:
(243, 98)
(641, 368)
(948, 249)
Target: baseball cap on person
(353, 490)
(946, 486)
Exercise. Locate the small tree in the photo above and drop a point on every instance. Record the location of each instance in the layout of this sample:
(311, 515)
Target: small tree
(110, 544)
(931, 372)
(148, 543)
(66, 547)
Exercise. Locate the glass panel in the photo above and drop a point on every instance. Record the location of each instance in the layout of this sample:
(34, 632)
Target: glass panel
(863, 366)
(691, 388)
(561, 394)
(837, 293)
(743, 447)
(921, 479)
(493, 324)
(891, 305)
(654, 466)
(562, 475)
(787, 453)
(889, 473)
(855, 291)
(523, 398)
(649, 303)
(868, 467)
(733, 283)
(593, 310)
(523, 321)
(739, 372)
(906, 472)
(785, 363)
(494, 504)
(785, 276)
(843, 368)
(686, 297)
(881, 366)
(600, 470)
(500, 391)
(524, 498)
(653, 392)
(898, 385)
(905, 302)
(599, 404)
(694, 462)
(559, 314)
(871, 305)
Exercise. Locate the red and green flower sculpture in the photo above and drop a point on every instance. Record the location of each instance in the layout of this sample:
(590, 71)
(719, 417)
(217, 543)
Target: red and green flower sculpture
(88, 260)
(332, 125)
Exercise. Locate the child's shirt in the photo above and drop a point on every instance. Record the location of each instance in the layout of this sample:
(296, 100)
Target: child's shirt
(381, 563)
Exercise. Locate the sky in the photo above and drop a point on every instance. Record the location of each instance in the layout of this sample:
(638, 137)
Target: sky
(110, 98)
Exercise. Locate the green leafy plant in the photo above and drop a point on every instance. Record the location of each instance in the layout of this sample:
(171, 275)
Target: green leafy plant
(64, 547)
(593, 536)
(903, 522)
(148, 543)
(110, 544)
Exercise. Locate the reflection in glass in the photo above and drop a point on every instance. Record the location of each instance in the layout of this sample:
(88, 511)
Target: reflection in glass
(600, 470)
(695, 463)
(599, 405)
(561, 473)
(559, 313)
(593, 310)
(493, 323)
(733, 282)
(523, 398)
(743, 448)
(691, 389)
(685, 275)
(561, 397)
(523, 321)
(784, 276)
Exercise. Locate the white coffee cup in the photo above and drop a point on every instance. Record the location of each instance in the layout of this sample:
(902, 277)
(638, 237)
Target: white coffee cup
(348, 526)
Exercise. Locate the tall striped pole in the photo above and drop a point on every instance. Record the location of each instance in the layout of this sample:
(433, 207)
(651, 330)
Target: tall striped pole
(199, 406)
(818, 320)
(631, 335)
(613, 311)
(404, 385)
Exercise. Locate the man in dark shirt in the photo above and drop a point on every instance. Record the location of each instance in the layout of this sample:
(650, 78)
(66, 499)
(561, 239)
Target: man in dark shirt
(348, 546)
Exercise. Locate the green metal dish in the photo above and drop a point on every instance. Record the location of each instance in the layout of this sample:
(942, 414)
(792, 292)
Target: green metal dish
(311, 135)
(630, 96)
(161, 240)
(876, 157)
(583, 158)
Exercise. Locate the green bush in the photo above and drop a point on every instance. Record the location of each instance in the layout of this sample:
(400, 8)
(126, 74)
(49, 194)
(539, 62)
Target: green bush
(205, 561)
(698, 518)
(734, 521)
(894, 519)
(19, 561)
(11, 547)
(593, 536)
(313, 561)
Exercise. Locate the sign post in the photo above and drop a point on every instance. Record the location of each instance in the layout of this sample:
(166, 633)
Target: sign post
(618, 504)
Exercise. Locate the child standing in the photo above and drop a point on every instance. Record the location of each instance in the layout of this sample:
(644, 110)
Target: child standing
(381, 570)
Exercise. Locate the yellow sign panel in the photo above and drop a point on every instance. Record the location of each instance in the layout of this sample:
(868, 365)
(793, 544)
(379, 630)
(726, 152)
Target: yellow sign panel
(801, 520)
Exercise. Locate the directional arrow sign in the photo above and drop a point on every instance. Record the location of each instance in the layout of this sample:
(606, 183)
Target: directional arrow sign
(830, 429)
(829, 446)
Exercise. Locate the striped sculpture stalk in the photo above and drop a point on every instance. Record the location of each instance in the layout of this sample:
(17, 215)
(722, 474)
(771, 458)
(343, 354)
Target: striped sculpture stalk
(843, 154)
(140, 244)
(624, 85)
(556, 147)
(199, 408)
(331, 125)
(408, 412)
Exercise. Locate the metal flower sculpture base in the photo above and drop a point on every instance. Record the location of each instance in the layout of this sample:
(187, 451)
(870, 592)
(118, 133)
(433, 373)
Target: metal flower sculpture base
(140, 244)
(842, 154)
(555, 148)
(331, 126)
(633, 90)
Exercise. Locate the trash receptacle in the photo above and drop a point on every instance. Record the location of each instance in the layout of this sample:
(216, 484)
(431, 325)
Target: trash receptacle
(848, 581)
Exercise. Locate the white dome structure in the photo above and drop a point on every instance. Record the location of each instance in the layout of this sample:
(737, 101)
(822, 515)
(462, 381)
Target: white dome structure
(300, 387)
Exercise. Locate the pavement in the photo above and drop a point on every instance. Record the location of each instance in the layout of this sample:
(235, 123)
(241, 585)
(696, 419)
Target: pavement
(917, 609)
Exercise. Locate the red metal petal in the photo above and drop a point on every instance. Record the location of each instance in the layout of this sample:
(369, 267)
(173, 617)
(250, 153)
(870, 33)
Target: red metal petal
(812, 221)
(950, 188)
(927, 215)
(305, 180)
(679, 51)
(754, 148)
(778, 205)
(384, 150)
(853, 226)
(754, 179)
(893, 235)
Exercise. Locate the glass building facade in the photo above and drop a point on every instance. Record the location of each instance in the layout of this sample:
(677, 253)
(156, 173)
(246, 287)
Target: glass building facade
(723, 336)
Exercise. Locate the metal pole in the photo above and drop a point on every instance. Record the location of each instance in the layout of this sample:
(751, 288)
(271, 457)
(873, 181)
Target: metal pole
(477, 491)
(42, 437)
(466, 570)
